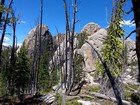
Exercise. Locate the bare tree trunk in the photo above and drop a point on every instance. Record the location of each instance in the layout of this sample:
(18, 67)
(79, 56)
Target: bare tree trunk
(71, 57)
(12, 60)
(4, 29)
(112, 81)
(136, 8)
(66, 48)
(37, 53)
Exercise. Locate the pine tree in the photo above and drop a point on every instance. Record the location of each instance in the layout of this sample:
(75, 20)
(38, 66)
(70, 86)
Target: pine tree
(4, 72)
(48, 74)
(22, 71)
(113, 46)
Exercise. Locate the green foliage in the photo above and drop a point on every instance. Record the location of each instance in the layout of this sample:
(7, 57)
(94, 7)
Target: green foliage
(22, 70)
(78, 67)
(81, 38)
(73, 102)
(58, 99)
(4, 9)
(2, 85)
(44, 76)
(4, 70)
(127, 95)
(48, 72)
(94, 89)
(55, 76)
(113, 46)
(135, 97)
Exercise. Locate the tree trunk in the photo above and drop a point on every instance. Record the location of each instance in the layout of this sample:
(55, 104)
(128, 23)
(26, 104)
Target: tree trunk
(4, 29)
(71, 57)
(107, 97)
(136, 7)
(66, 47)
(12, 60)
(112, 81)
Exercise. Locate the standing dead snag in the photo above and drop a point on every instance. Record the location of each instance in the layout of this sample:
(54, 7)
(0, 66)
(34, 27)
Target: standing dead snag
(71, 54)
(4, 29)
(66, 41)
(136, 9)
(112, 81)
(13, 59)
(37, 53)
(69, 72)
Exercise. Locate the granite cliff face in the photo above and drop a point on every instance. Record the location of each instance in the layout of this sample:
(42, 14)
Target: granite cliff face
(96, 39)
(91, 28)
(96, 34)
(34, 35)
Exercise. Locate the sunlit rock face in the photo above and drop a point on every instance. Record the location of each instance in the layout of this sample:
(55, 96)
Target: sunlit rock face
(33, 36)
(95, 35)
(91, 28)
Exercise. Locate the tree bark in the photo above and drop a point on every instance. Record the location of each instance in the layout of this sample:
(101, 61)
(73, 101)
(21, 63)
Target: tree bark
(112, 81)
(4, 29)
(107, 97)
(66, 47)
(12, 60)
(136, 8)
(71, 57)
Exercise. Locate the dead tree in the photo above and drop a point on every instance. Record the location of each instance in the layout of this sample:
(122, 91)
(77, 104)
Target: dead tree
(37, 53)
(40, 34)
(13, 57)
(69, 74)
(4, 28)
(71, 52)
(66, 41)
(136, 9)
(112, 81)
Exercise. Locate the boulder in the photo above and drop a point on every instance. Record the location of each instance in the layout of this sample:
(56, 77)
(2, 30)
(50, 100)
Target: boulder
(91, 28)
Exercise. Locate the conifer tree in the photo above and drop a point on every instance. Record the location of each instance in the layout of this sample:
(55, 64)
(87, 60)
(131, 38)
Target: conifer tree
(113, 46)
(22, 70)
(48, 74)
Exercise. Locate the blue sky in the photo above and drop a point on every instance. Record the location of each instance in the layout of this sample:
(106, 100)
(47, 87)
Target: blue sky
(97, 11)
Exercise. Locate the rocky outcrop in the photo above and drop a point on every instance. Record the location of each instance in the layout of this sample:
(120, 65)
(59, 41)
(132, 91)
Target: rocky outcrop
(34, 35)
(96, 35)
(91, 28)
(58, 39)
(96, 39)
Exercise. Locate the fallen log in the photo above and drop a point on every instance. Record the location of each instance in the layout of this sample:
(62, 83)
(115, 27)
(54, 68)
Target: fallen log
(103, 96)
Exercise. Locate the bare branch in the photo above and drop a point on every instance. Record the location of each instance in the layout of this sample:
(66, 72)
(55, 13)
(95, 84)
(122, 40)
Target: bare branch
(4, 28)
(132, 9)
(107, 16)
(130, 34)
(123, 1)
(112, 81)
(132, 20)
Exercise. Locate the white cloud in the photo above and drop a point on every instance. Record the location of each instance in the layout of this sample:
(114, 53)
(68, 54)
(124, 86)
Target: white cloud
(9, 44)
(127, 23)
(6, 39)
